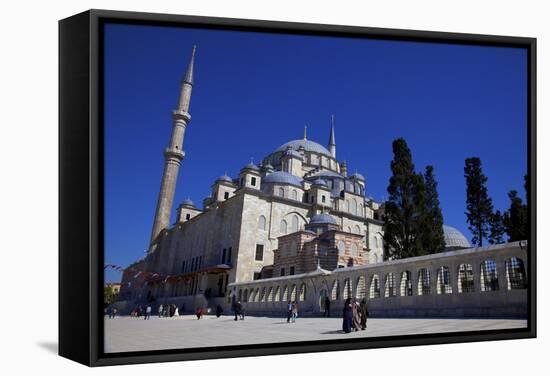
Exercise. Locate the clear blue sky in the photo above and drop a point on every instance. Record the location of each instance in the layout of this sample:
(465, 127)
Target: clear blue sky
(256, 91)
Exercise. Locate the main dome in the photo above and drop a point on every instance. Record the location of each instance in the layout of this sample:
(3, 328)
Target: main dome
(306, 144)
(454, 239)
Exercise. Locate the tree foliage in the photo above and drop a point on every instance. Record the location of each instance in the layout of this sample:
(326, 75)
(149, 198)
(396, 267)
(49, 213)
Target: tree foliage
(516, 218)
(498, 229)
(432, 230)
(479, 206)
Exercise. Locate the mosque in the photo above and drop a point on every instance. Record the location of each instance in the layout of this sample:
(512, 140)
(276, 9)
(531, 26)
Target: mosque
(296, 212)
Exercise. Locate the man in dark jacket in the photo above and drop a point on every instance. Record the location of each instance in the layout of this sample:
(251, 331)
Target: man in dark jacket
(364, 313)
(237, 310)
(327, 307)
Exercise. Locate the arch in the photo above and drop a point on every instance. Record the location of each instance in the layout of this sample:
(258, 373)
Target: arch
(515, 273)
(281, 192)
(283, 227)
(406, 288)
(353, 206)
(335, 292)
(488, 277)
(376, 245)
(285, 294)
(262, 295)
(245, 296)
(277, 296)
(424, 282)
(465, 278)
(270, 295)
(374, 290)
(341, 248)
(376, 258)
(347, 293)
(443, 281)
(294, 194)
(293, 293)
(347, 206)
(257, 295)
(295, 223)
(389, 286)
(302, 295)
(360, 288)
(357, 230)
(240, 295)
(261, 222)
(354, 250)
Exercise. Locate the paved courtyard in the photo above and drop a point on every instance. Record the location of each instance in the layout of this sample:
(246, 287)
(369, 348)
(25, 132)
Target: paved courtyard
(132, 334)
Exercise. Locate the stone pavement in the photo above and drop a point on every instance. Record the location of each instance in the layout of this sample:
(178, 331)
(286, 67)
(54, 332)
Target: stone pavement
(132, 334)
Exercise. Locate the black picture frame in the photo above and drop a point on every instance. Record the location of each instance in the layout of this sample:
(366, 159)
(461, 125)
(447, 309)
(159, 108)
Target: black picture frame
(81, 179)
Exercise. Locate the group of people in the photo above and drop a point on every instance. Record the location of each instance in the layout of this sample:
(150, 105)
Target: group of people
(355, 315)
(111, 312)
(291, 311)
(168, 310)
(238, 309)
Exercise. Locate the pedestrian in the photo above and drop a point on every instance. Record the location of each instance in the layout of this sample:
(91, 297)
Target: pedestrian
(114, 312)
(176, 312)
(160, 310)
(242, 312)
(356, 314)
(182, 309)
(237, 309)
(219, 311)
(347, 316)
(148, 312)
(288, 311)
(327, 307)
(294, 311)
(364, 313)
(199, 313)
(172, 310)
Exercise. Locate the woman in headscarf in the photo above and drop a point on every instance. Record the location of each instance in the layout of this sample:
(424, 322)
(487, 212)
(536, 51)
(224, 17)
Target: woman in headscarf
(364, 313)
(356, 314)
(347, 316)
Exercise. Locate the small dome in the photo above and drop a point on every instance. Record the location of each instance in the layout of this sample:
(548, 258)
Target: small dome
(225, 178)
(188, 202)
(454, 239)
(322, 218)
(358, 176)
(320, 183)
(281, 177)
(251, 166)
(307, 145)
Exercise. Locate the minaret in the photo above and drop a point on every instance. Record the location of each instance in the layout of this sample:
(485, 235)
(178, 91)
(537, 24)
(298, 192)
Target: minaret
(173, 154)
(332, 140)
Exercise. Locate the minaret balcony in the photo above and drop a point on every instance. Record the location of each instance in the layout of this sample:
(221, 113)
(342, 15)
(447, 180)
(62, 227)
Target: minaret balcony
(181, 115)
(174, 153)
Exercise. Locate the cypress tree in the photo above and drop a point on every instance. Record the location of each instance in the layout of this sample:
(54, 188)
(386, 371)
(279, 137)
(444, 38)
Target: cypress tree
(402, 217)
(432, 229)
(516, 218)
(498, 229)
(479, 206)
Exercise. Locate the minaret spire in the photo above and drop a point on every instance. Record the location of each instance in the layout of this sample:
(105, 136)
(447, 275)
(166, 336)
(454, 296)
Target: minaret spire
(173, 154)
(332, 139)
(305, 132)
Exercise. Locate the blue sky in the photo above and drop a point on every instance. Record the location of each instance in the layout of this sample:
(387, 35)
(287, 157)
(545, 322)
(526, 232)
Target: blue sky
(256, 91)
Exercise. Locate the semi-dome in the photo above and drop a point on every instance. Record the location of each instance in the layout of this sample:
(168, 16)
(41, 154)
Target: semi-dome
(320, 182)
(358, 176)
(281, 177)
(322, 218)
(306, 144)
(454, 239)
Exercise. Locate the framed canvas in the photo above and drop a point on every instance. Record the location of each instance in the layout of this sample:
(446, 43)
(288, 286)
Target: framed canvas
(322, 187)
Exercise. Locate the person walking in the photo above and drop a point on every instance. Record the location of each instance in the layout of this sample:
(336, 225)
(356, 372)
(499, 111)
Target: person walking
(237, 310)
(219, 311)
(356, 314)
(199, 313)
(347, 316)
(148, 312)
(294, 311)
(327, 307)
(364, 313)
(161, 308)
(288, 311)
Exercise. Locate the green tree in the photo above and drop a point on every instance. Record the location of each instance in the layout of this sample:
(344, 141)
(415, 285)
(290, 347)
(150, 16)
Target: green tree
(516, 218)
(498, 229)
(109, 295)
(432, 229)
(479, 206)
(402, 215)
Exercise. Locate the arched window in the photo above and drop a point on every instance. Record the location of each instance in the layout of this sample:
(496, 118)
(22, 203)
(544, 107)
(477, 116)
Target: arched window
(261, 223)
(348, 229)
(294, 194)
(360, 288)
(374, 291)
(270, 295)
(347, 293)
(406, 286)
(375, 258)
(285, 293)
(488, 277)
(295, 223)
(354, 207)
(335, 293)
(281, 192)
(444, 281)
(341, 247)
(465, 278)
(283, 227)
(389, 286)
(515, 274)
(354, 251)
(277, 296)
(302, 295)
(293, 293)
(424, 282)
(262, 295)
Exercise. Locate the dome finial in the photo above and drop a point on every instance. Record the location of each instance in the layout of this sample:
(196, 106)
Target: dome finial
(305, 132)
